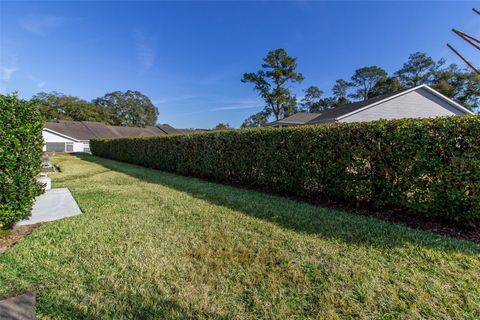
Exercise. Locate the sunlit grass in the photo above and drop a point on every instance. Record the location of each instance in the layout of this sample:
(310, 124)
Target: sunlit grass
(153, 245)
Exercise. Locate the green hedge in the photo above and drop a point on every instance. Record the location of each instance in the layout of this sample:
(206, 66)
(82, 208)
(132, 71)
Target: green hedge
(20, 157)
(428, 166)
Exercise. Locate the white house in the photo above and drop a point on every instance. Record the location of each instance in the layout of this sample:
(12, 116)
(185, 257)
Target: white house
(75, 136)
(418, 102)
(56, 141)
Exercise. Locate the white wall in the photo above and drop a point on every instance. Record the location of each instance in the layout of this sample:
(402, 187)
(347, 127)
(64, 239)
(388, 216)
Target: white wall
(415, 104)
(51, 137)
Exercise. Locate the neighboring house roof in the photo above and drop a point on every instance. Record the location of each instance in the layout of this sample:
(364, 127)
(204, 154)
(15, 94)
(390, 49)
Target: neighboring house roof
(87, 130)
(168, 129)
(61, 135)
(295, 119)
(340, 112)
(102, 130)
(74, 129)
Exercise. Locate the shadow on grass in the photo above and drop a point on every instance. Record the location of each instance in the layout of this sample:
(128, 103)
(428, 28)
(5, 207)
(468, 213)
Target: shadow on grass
(134, 308)
(295, 215)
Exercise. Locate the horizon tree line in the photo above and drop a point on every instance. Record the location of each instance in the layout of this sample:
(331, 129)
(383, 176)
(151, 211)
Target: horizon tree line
(129, 108)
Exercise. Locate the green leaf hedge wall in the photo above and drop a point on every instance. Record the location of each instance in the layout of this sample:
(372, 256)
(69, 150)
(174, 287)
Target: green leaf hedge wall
(430, 167)
(20, 157)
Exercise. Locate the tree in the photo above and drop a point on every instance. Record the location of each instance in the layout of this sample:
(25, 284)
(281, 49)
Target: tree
(58, 106)
(222, 126)
(365, 79)
(387, 85)
(271, 82)
(340, 92)
(130, 108)
(460, 85)
(312, 101)
(419, 69)
(258, 120)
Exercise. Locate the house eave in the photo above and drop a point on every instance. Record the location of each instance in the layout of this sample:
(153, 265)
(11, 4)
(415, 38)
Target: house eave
(61, 135)
(423, 86)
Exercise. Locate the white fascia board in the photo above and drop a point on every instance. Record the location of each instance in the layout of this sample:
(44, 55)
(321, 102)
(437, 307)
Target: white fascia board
(447, 99)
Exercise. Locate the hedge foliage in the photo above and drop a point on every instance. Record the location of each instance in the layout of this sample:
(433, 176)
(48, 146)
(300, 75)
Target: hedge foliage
(20, 157)
(428, 166)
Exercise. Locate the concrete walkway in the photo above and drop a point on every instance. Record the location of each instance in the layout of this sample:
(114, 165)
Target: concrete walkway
(54, 204)
(21, 307)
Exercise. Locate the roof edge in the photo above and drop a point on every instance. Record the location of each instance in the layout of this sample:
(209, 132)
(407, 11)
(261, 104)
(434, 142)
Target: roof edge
(422, 86)
(60, 134)
(447, 99)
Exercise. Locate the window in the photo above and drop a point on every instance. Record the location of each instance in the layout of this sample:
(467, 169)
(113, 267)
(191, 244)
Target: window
(69, 146)
(55, 146)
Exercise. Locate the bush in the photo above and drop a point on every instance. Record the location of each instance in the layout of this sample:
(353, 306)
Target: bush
(428, 166)
(20, 158)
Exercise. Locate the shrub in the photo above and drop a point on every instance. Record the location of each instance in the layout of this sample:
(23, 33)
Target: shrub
(428, 166)
(20, 157)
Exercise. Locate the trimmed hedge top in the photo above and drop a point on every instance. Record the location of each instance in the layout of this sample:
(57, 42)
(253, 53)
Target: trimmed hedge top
(428, 166)
(20, 157)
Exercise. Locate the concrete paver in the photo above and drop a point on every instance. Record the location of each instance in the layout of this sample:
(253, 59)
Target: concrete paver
(54, 204)
(21, 307)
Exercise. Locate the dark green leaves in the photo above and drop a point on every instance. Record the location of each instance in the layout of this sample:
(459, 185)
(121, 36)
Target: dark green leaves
(428, 166)
(20, 157)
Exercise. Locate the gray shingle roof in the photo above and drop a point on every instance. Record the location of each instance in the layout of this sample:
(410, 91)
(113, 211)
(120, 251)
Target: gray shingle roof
(87, 130)
(168, 129)
(74, 129)
(332, 114)
(297, 118)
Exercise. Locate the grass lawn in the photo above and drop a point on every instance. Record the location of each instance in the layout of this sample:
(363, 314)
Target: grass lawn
(153, 245)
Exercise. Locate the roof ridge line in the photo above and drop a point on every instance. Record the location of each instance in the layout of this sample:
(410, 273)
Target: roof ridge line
(83, 122)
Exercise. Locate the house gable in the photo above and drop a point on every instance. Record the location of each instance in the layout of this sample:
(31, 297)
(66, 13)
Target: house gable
(51, 135)
(420, 102)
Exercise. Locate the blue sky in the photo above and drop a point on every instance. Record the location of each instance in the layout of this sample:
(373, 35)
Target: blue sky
(189, 57)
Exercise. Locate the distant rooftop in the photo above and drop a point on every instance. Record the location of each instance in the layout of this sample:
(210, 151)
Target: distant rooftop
(87, 130)
(297, 118)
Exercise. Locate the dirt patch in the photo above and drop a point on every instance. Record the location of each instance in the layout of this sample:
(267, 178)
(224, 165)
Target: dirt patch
(16, 234)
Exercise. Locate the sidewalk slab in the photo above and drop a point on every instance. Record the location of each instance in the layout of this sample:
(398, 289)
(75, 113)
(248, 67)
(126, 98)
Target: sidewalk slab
(21, 307)
(54, 204)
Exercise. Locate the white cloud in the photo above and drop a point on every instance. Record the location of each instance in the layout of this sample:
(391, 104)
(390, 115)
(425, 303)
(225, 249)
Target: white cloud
(173, 99)
(159, 101)
(6, 72)
(8, 66)
(234, 107)
(238, 105)
(145, 49)
(38, 82)
(41, 24)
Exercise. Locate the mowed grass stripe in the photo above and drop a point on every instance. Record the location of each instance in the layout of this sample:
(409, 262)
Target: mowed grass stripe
(157, 245)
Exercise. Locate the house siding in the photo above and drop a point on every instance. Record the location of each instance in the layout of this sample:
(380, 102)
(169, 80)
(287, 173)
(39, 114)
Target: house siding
(419, 103)
(50, 137)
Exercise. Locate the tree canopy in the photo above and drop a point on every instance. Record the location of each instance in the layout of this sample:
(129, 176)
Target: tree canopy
(312, 100)
(339, 91)
(257, 120)
(364, 81)
(419, 69)
(222, 126)
(58, 106)
(130, 108)
(273, 80)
